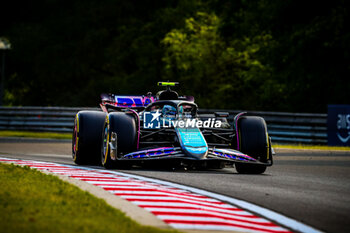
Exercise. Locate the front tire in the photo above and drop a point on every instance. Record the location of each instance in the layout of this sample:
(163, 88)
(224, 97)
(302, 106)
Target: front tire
(121, 127)
(86, 141)
(253, 141)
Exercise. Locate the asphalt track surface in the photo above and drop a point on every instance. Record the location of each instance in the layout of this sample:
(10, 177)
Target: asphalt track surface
(310, 186)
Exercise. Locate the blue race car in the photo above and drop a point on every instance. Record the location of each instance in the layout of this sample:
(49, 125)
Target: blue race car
(166, 129)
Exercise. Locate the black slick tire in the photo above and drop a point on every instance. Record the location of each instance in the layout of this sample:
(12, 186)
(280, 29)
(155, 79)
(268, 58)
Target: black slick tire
(254, 141)
(87, 133)
(123, 125)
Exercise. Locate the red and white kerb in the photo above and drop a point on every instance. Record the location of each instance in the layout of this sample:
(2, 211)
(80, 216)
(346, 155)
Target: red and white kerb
(177, 207)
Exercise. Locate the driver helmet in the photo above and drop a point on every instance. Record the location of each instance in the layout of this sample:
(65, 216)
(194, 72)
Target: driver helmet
(181, 111)
(169, 110)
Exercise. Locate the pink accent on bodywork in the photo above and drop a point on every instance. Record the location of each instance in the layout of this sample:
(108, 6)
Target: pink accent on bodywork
(138, 128)
(236, 126)
(159, 148)
(233, 152)
(104, 109)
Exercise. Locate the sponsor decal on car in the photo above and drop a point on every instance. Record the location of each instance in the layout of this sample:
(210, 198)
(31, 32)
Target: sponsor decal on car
(153, 120)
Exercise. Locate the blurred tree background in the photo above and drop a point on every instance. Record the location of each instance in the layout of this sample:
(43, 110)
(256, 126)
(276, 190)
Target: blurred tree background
(274, 55)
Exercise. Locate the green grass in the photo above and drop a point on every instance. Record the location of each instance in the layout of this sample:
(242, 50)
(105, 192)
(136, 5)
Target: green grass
(27, 134)
(31, 201)
(311, 147)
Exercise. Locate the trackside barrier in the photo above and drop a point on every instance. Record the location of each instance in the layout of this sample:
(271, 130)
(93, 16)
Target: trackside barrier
(282, 127)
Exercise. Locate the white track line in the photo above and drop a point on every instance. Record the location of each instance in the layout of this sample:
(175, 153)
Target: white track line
(213, 228)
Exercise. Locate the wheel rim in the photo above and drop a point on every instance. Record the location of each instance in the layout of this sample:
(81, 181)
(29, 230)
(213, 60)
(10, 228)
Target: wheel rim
(75, 139)
(105, 144)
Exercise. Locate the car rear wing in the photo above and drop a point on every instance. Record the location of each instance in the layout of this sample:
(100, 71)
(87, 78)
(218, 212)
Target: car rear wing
(133, 101)
(127, 101)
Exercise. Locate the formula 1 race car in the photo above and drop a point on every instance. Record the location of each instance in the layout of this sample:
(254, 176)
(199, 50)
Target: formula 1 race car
(166, 129)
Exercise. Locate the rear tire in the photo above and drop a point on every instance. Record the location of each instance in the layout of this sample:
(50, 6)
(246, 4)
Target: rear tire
(124, 125)
(254, 141)
(87, 133)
